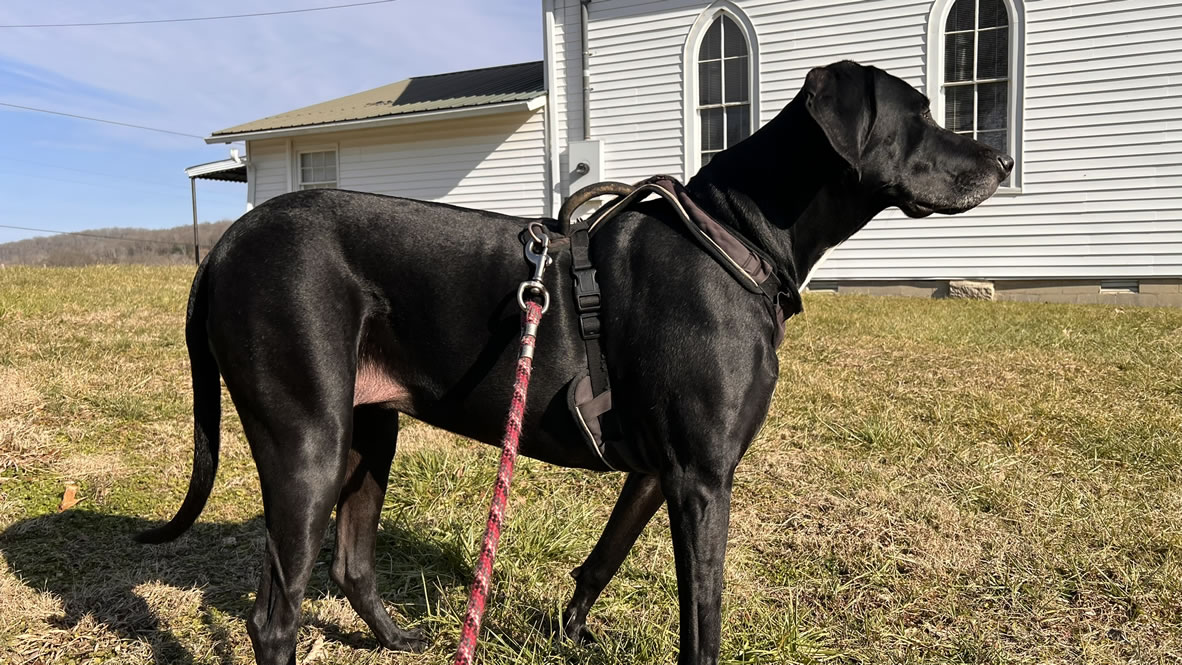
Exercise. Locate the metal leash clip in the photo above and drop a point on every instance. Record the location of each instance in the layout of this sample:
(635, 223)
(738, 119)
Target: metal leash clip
(537, 252)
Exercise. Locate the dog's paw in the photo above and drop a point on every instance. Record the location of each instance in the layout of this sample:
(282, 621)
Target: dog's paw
(412, 641)
(580, 635)
(575, 630)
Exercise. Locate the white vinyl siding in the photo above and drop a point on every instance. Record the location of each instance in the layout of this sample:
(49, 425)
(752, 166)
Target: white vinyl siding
(1101, 139)
(268, 161)
(492, 162)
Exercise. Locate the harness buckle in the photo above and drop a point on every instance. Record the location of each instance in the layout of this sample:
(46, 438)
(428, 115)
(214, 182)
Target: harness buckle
(589, 325)
(587, 297)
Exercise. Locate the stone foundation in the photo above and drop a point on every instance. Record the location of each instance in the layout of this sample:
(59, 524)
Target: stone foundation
(963, 288)
(1134, 293)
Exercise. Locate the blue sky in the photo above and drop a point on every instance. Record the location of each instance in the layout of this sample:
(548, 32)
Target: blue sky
(64, 174)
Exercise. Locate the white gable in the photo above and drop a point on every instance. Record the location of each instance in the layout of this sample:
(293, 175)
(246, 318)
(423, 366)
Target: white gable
(494, 162)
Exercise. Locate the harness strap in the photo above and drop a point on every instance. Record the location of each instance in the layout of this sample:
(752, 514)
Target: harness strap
(748, 266)
(587, 304)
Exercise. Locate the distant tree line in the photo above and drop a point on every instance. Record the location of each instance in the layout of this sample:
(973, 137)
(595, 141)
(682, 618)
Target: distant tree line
(114, 245)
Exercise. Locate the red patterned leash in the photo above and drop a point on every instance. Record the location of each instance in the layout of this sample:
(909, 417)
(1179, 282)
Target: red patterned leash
(536, 252)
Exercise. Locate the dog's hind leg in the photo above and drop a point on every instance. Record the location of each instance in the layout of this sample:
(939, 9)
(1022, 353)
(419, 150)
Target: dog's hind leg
(300, 446)
(375, 436)
(639, 500)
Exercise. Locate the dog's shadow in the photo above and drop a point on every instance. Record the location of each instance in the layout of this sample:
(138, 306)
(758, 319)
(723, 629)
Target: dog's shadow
(91, 563)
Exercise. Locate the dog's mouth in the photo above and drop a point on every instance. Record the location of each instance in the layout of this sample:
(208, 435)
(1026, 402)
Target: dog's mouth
(972, 198)
(915, 210)
(919, 210)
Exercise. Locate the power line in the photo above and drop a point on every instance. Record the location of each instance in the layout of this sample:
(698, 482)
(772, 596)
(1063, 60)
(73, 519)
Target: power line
(198, 18)
(171, 187)
(95, 235)
(109, 122)
(144, 193)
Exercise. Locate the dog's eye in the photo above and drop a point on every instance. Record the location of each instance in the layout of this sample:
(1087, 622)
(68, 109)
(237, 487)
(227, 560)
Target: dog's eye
(927, 114)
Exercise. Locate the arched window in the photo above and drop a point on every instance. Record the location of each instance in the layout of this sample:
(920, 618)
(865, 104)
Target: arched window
(721, 95)
(724, 88)
(978, 65)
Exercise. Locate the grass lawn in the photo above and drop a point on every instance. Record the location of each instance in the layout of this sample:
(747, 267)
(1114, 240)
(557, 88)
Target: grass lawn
(937, 482)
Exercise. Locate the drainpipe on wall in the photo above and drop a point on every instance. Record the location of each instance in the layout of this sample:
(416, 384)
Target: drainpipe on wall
(586, 156)
(196, 244)
(586, 46)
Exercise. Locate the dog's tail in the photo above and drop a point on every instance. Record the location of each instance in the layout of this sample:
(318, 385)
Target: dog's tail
(207, 415)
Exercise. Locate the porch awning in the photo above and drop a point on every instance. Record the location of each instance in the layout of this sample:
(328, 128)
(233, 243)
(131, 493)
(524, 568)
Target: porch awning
(228, 170)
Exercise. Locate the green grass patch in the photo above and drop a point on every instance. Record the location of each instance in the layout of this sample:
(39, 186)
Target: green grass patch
(937, 482)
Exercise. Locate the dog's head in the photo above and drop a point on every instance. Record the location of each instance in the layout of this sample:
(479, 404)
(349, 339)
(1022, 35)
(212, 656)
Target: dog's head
(884, 129)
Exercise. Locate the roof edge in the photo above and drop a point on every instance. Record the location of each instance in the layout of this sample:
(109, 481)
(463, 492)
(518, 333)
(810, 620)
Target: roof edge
(532, 104)
(528, 63)
(228, 164)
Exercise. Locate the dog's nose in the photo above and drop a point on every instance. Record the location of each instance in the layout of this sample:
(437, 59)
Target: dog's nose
(1007, 163)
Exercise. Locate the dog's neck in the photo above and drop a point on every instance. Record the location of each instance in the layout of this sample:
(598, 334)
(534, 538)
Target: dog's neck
(787, 191)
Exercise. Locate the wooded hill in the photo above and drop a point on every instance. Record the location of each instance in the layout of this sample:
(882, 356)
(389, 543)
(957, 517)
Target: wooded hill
(114, 245)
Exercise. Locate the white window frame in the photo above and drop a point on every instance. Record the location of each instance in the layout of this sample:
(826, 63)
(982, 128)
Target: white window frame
(297, 183)
(937, 19)
(691, 122)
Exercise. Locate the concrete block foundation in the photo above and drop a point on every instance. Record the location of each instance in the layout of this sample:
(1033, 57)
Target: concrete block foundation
(1157, 292)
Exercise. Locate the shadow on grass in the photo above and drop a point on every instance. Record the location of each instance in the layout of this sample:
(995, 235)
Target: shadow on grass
(90, 561)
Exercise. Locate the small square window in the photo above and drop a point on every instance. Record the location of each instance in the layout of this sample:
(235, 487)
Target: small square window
(318, 170)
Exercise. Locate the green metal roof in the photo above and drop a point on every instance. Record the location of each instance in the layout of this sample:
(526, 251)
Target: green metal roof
(475, 87)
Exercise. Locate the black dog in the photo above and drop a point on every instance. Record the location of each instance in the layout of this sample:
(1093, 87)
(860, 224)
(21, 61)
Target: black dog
(328, 313)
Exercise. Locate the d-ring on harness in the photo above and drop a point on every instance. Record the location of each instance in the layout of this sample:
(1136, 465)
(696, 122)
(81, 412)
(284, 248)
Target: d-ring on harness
(537, 246)
(537, 252)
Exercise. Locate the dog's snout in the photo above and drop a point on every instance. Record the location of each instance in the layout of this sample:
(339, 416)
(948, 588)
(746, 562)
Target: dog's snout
(1006, 162)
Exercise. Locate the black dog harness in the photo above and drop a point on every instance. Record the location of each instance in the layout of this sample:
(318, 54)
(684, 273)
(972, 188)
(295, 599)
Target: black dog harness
(589, 395)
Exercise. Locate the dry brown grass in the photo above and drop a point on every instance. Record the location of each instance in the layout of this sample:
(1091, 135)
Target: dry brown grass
(937, 482)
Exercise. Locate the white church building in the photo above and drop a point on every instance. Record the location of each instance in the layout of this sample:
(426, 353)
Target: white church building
(1085, 94)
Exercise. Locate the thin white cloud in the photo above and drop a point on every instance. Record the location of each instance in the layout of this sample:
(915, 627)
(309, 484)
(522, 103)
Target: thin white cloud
(199, 77)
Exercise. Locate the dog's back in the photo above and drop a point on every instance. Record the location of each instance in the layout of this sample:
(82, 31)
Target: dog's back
(416, 296)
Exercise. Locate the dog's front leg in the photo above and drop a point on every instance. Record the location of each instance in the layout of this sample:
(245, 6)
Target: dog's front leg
(699, 515)
(639, 500)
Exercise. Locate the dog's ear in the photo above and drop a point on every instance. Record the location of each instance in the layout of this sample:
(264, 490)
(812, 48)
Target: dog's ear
(840, 100)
